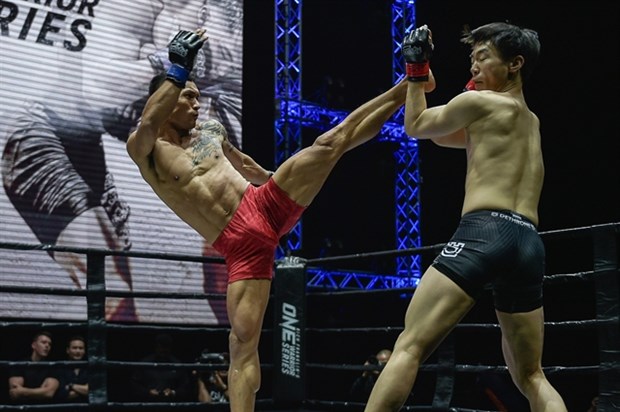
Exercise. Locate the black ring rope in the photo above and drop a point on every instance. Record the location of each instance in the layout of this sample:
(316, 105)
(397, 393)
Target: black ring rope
(556, 278)
(44, 363)
(41, 325)
(110, 252)
(548, 235)
(548, 279)
(394, 252)
(568, 324)
(133, 406)
(78, 325)
(109, 293)
(429, 367)
(123, 364)
(132, 327)
(553, 234)
(605, 267)
(357, 406)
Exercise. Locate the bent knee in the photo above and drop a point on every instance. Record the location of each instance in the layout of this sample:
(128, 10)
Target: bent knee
(526, 377)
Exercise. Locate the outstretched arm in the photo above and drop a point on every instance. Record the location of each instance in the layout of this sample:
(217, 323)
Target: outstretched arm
(249, 169)
(159, 106)
(182, 51)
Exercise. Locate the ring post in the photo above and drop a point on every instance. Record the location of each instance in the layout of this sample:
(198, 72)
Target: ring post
(606, 268)
(289, 331)
(97, 334)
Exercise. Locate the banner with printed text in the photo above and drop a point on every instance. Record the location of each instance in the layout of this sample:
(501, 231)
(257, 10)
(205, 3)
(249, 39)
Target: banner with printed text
(74, 77)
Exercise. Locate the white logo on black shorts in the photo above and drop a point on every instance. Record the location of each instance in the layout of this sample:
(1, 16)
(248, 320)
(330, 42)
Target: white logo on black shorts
(452, 249)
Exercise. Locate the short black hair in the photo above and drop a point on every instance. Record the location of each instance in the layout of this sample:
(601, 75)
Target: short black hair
(42, 333)
(156, 82)
(159, 79)
(76, 337)
(510, 40)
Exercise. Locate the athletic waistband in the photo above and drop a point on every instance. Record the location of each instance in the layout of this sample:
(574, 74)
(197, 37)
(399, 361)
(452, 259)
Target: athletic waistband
(508, 215)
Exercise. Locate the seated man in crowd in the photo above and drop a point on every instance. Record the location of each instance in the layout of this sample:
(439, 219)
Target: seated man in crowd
(74, 380)
(34, 384)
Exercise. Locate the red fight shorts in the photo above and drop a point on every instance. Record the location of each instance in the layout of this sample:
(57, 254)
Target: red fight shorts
(249, 241)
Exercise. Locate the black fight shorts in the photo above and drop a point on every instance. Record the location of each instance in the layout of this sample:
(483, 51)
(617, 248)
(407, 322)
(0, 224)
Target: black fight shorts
(54, 170)
(500, 249)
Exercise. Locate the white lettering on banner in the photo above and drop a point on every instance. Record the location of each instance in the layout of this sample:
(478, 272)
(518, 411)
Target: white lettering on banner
(291, 350)
(88, 92)
(47, 26)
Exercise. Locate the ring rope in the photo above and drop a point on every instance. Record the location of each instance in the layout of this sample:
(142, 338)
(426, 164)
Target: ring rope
(187, 295)
(110, 252)
(110, 293)
(460, 368)
(341, 406)
(140, 406)
(605, 276)
(605, 267)
(568, 324)
(547, 235)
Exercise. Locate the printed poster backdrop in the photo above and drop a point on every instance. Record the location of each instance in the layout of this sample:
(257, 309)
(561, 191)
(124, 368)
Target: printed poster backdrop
(74, 78)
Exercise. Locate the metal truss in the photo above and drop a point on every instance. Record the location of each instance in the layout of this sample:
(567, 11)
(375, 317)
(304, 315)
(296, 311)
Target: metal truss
(407, 185)
(408, 208)
(287, 89)
(312, 115)
(335, 279)
(294, 114)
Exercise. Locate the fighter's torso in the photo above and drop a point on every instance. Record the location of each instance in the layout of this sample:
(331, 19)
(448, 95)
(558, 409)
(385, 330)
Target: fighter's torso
(504, 159)
(197, 181)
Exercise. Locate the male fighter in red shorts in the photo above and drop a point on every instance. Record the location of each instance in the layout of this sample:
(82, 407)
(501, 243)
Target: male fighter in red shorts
(235, 204)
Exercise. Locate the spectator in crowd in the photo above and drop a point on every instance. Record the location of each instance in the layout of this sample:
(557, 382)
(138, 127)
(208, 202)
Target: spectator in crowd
(74, 380)
(34, 384)
(362, 386)
(593, 405)
(159, 384)
(212, 385)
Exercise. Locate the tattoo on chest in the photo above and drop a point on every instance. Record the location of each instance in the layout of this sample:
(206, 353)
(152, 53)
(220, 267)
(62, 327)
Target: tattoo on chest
(208, 142)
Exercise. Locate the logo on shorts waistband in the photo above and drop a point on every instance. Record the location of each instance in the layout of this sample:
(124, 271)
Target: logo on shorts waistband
(452, 249)
(513, 218)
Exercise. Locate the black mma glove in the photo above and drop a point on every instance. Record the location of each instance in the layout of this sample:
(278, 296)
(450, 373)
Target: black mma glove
(417, 50)
(182, 51)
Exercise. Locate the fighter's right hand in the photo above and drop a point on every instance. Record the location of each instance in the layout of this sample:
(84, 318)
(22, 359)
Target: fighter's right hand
(182, 51)
(417, 50)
